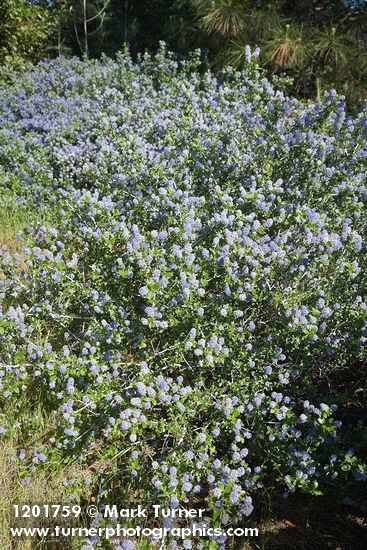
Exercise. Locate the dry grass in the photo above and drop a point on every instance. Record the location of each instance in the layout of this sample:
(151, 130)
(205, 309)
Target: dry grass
(46, 487)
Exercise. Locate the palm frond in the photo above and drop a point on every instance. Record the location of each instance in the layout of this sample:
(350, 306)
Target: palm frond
(333, 47)
(287, 47)
(223, 17)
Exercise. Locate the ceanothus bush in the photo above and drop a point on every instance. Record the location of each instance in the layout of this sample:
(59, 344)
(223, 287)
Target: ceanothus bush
(203, 271)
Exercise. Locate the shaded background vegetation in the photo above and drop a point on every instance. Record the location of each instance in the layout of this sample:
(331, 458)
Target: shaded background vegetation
(320, 44)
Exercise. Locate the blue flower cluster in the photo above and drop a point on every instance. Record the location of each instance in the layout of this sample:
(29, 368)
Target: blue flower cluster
(204, 268)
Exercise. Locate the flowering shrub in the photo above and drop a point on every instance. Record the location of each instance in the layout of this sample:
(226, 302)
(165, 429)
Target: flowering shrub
(203, 270)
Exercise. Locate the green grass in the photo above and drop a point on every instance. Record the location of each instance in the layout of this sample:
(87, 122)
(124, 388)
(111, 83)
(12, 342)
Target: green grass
(11, 223)
(14, 221)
